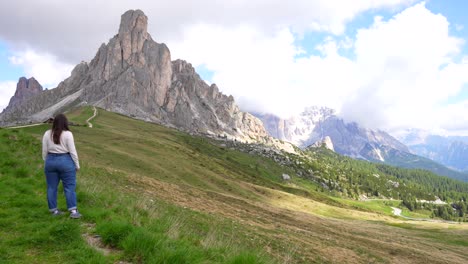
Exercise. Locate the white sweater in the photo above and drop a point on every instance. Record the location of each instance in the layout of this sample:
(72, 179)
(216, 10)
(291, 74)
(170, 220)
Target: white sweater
(67, 145)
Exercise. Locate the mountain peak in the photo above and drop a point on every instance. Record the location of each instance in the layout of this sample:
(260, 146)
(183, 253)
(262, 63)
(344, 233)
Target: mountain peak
(133, 21)
(315, 123)
(133, 32)
(24, 83)
(25, 89)
(133, 75)
(316, 110)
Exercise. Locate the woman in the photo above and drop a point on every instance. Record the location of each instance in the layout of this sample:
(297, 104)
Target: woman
(61, 164)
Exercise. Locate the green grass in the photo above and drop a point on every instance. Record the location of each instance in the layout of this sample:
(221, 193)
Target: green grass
(156, 195)
(28, 234)
(140, 230)
(423, 214)
(380, 206)
(114, 232)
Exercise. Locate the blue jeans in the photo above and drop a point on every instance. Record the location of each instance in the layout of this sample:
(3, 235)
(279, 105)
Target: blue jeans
(60, 167)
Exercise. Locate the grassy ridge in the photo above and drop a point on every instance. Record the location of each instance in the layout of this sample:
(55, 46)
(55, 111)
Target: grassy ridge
(136, 227)
(156, 195)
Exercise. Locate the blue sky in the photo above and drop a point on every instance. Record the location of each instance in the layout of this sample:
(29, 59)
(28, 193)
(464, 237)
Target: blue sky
(374, 77)
(8, 70)
(455, 11)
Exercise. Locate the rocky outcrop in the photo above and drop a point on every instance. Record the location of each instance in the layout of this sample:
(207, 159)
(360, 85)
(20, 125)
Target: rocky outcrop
(134, 75)
(196, 106)
(25, 89)
(326, 143)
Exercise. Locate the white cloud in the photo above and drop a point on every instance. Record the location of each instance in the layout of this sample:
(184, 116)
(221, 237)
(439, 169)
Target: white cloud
(7, 90)
(73, 31)
(402, 72)
(262, 71)
(410, 70)
(454, 119)
(247, 63)
(46, 68)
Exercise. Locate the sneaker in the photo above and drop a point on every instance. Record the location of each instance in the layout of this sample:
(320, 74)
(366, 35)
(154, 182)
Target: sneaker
(57, 213)
(75, 214)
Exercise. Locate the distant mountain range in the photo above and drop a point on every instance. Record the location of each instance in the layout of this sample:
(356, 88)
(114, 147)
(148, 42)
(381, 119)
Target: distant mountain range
(316, 123)
(451, 151)
(320, 125)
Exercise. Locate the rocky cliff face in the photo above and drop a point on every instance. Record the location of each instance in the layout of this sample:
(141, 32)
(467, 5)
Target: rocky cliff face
(134, 75)
(315, 124)
(131, 74)
(25, 89)
(301, 130)
(352, 140)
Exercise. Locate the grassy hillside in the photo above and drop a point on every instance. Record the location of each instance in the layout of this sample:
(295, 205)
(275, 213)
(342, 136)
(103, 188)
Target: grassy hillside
(346, 177)
(155, 195)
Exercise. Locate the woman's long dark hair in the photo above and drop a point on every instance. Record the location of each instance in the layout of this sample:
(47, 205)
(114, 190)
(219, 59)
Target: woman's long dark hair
(60, 124)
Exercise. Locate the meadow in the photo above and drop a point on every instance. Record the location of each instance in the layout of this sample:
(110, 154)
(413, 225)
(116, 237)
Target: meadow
(150, 194)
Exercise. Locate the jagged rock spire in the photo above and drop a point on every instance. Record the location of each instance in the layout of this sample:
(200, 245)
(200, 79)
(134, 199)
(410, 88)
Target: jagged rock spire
(25, 89)
(133, 32)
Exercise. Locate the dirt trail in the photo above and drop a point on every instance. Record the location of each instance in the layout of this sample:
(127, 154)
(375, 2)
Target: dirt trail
(95, 241)
(93, 116)
(38, 124)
